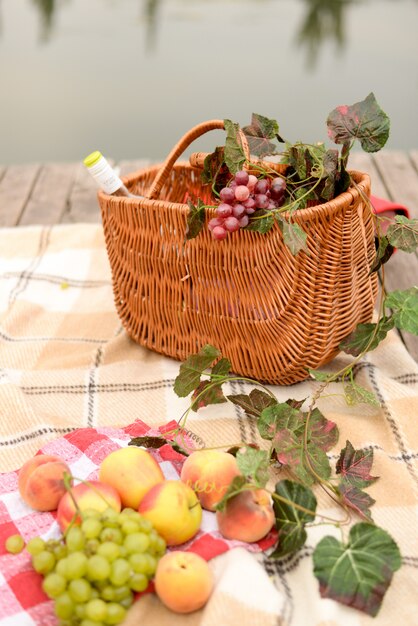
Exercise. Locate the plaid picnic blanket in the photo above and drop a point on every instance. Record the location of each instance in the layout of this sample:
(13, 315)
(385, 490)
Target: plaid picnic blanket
(66, 364)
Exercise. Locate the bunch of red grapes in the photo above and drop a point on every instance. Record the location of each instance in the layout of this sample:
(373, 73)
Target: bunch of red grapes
(243, 196)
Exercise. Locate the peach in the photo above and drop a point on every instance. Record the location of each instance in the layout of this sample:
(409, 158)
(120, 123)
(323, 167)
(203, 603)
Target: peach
(132, 472)
(248, 516)
(90, 495)
(209, 473)
(174, 510)
(183, 581)
(41, 483)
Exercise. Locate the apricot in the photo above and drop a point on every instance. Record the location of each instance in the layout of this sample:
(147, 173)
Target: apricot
(132, 472)
(41, 482)
(91, 495)
(174, 511)
(183, 581)
(209, 473)
(248, 516)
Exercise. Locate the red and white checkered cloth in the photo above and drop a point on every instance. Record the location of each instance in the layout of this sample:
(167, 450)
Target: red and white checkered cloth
(22, 601)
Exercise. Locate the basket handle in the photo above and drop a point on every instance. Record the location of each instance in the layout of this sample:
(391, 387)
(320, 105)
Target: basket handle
(181, 146)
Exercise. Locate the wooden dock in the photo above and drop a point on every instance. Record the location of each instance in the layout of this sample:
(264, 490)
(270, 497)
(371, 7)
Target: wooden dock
(59, 193)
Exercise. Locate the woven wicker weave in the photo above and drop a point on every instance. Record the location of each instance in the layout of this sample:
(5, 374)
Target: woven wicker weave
(272, 314)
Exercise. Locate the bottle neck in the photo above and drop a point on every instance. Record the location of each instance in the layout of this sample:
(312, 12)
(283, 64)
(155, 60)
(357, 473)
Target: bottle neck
(106, 178)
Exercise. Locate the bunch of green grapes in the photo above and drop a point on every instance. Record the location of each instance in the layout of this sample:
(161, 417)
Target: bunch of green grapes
(93, 572)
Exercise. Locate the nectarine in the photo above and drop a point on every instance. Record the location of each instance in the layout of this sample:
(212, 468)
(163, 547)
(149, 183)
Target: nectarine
(248, 516)
(209, 473)
(41, 483)
(90, 495)
(174, 510)
(132, 472)
(183, 581)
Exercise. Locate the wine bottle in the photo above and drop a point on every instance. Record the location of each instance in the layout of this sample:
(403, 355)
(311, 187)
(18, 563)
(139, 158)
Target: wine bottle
(105, 176)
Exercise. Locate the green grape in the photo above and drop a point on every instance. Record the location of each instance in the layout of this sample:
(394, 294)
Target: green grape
(108, 593)
(136, 542)
(120, 572)
(121, 592)
(109, 550)
(90, 622)
(96, 610)
(152, 565)
(64, 606)
(130, 526)
(111, 534)
(80, 590)
(91, 528)
(76, 565)
(75, 539)
(115, 613)
(138, 582)
(94, 593)
(139, 563)
(110, 518)
(127, 602)
(91, 546)
(60, 551)
(43, 562)
(61, 567)
(159, 546)
(127, 512)
(54, 585)
(14, 544)
(145, 525)
(35, 545)
(98, 568)
(91, 513)
(79, 612)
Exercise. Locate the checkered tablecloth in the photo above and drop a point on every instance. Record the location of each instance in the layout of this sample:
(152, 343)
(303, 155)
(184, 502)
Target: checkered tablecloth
(67, 365)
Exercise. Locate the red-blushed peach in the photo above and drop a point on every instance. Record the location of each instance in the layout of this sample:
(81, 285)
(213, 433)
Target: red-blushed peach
(248, 516)
(90, 495)
(174, 510)
(41, 483)
(132, 472)
(209, 473)
(183, 581)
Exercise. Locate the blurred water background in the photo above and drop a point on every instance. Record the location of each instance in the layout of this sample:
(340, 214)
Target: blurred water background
(129, 77)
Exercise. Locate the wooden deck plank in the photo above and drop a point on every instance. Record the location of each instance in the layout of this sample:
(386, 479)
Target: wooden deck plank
(363, 162)
(82, 205)
(401, 178)
(16, 187)
(48, 200)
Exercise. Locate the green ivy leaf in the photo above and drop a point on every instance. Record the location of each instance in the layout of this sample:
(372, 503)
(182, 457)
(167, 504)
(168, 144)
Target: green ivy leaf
(261, 224)
(404, 305)
(259, 133)
(254, 403)
(361, 338)
(383, 254)
(319, 376)
(403, 234)
(234, 153)
(290, 522)
(278, 416)
(212, 395)
(356, 499)
(358, 573)
(364, 121)
(254, 465)
(355, 465)
(192, 369)
(195, 219)
(356, 394)
(290, 451)
(330, 174)
(294, 236)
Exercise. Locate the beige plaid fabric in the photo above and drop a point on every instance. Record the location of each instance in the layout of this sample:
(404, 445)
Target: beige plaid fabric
(66, 362)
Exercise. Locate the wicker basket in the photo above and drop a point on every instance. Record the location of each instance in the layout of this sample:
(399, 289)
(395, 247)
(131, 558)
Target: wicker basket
(272, 314)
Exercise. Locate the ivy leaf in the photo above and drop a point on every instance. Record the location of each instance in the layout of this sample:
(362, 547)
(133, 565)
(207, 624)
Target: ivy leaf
(361, 338)
(278, 416)
(294, 236)
(221, 368)
(253, 404)
(318, 375)
(156, 442)
(356, 394)
(191, 370)
(290, 522)
(364, 121)
(321, 431)
(403, 234)
(356, 499)
(234, 153)
(404, 305)
(330, 174)
(254, 465)
(195, 219)
(259, 133)
(261, 224)
(238, 484)
(358, 573)
(291, 452)
(383, 254)
(355, 465)
(213, 395)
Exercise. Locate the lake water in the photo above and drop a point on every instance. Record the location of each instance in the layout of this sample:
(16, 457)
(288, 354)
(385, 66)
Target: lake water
(129, 77)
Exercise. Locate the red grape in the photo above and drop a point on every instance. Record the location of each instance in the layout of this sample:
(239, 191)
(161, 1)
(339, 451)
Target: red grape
(242, 193)
(231, 224)
(219, 232)
(224, 210)
(241, 177)
(227, 194)
(261, 201)
(238, 210)
(262, 186)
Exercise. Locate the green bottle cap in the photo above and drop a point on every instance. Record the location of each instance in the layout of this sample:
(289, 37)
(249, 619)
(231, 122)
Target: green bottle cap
(92, 158)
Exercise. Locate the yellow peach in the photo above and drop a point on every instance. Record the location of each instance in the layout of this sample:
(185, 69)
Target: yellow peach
(248, 516)
(41, 483)
(90, 495)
